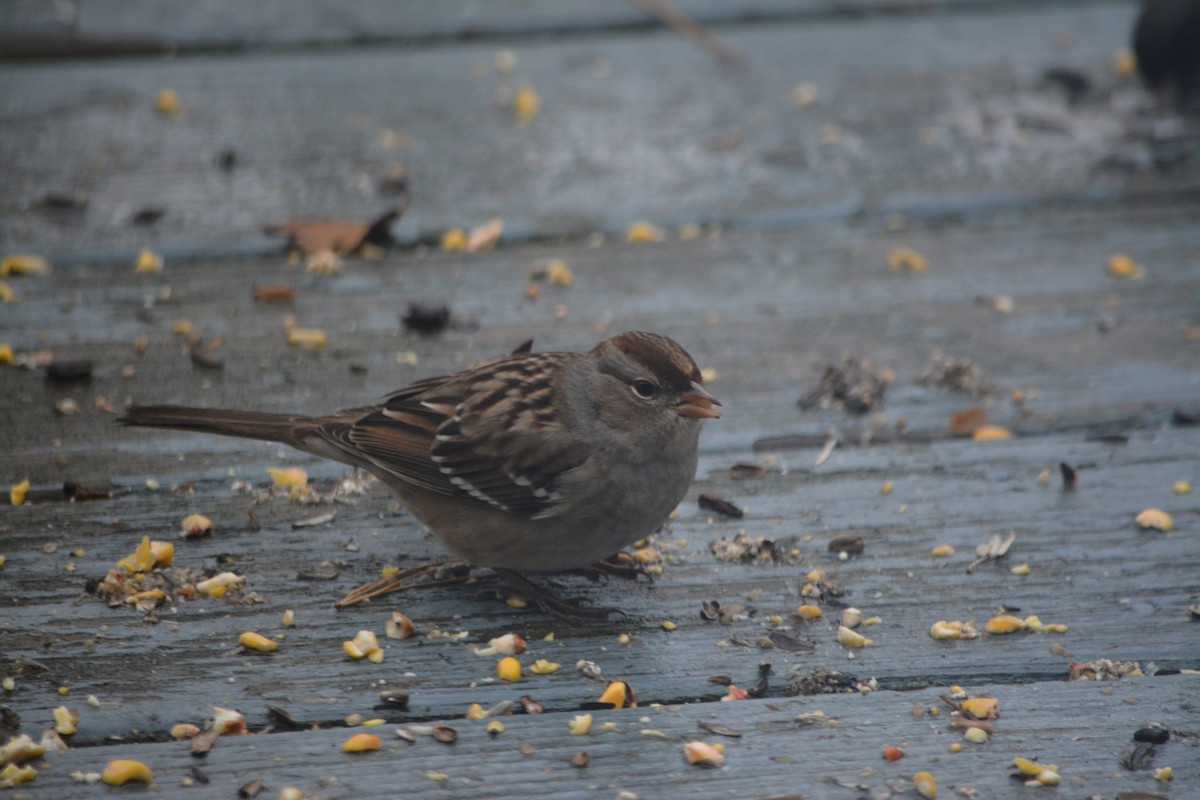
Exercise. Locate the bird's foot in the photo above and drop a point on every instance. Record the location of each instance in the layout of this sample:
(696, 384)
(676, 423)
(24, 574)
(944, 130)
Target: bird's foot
(563, 610)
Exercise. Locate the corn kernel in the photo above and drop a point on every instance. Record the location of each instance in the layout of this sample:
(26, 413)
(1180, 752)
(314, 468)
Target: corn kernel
(289, 619)
(184, 730)
(1005, 623)
(256, 641)
(13, 775)
(991, 433)
(544, 667)
(399, 626)
(1155, 518)
(975, 735)
(454, 239)
(1181, 487)
(121, 771)
(494, 728)
(1163, 774)
(641, 232)
(526, 104)
(667, 625)
(219, 584)
(362, 743)
(703, 753)
(925, 784)
(288, 477)
(580, 724)
(945, 630)
(808, 611)
(1027, 767)
(16, 495)
(956, 747)
(476, 711)
(623, 639)
(980, 707)
(508, 669)
(851, 638)
(310, 338)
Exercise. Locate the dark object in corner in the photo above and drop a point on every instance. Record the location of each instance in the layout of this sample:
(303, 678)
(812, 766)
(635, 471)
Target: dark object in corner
(1166, 41)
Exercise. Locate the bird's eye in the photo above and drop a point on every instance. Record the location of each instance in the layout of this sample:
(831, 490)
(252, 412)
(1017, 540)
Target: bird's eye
(644, 389)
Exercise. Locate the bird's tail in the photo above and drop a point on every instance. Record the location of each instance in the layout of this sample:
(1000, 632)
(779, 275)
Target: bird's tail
(285, 428)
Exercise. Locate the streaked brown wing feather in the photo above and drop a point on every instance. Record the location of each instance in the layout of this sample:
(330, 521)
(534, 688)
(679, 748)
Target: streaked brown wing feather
(434, 435)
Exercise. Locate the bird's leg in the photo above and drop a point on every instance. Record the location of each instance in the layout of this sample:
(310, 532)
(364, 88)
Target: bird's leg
(563, 610)
(619, 565)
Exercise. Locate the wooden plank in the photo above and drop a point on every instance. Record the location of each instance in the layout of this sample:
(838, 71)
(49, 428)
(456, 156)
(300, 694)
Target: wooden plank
(315, 132)
(1071, 725)
(39, 28)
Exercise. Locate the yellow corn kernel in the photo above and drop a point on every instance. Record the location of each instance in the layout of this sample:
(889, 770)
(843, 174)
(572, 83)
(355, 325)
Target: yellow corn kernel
(1021, 569)
(945, 630)
(147, 262)
(399, 626)
(1155, 518)
(667, 625)
(942, 551)
(454, 239)
(289, 619)
(1163, 774)
(121, 771)
(24, 264)
(291, 793)
(956, 747)
(1121, 265)
(310, 338)
(1027, 767)
(6, 354)
(991, 433)
(925, 784)
(544, 667)
(476, 711)
(1005, 623)
(623, 638)
(703, 753)
(20, 749)
(508, 669)
(65, 720)
(256, 641)
(218, 584)
(184, 730)
(580, 724)
(494, 728)
(163, 553)
(194, 525)
(361, 646)
(851, 638)
(975, 735)
(559, 274)
(16, 495)
(142, 559)
(1048, 777)
(808, 611)
(980, 707)
(526, 104)
(1181, 487)
(905, 259)
(362, 743)
(166, 102)
(12, 775)
(288, 477)
(619, 694)
(515, 601)
(851, 617)
(641, 232)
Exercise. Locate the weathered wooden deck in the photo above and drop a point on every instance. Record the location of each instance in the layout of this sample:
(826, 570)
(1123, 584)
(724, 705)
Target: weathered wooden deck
(933, 130)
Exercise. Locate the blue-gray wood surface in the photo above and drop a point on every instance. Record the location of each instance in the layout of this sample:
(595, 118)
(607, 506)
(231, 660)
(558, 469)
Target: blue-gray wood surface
(932, 129)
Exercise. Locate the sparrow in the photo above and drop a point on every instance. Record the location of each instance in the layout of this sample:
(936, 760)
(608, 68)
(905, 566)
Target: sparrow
(532, 462)
(1166, 42)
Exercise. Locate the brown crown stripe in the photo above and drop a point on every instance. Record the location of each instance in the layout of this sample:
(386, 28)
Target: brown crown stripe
(661, 355)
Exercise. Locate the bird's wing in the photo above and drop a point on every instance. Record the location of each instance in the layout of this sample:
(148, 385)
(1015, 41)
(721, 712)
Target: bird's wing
(434, 435)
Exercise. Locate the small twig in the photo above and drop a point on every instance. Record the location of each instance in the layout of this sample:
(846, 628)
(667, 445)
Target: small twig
(686, 26)
(404, 579)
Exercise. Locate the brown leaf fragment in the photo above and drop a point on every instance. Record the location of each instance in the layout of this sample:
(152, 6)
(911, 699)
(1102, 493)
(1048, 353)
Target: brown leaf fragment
(965, 423)
(445, 734)
(713, 503)
(531, 706)
(710, 610)
(852, 543)
(718, 729)
(274, 293)
(343, 237)
(789, 643)
(721, 680)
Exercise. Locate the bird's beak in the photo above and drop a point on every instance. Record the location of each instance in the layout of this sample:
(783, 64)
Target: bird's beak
(698, 403)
